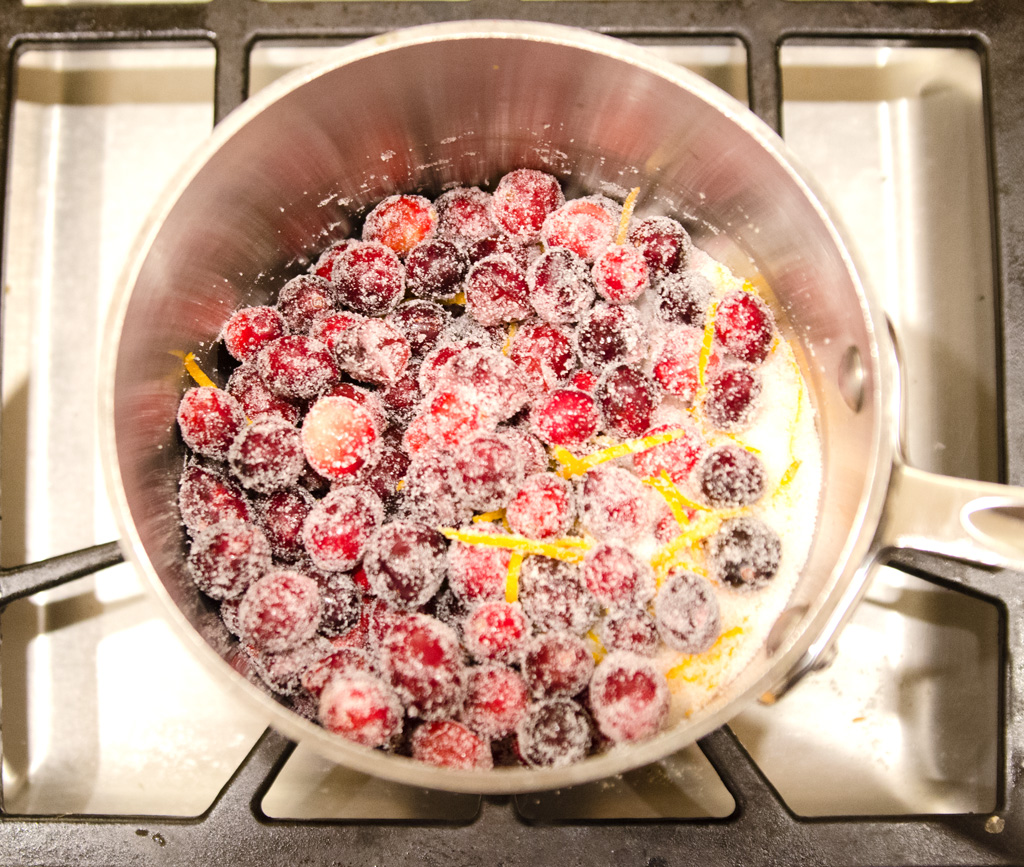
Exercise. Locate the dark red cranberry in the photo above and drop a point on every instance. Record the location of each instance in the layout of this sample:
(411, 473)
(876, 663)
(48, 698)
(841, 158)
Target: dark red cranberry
(421, 323)
(281, 516)
(304, 299)
(370, 278)
(478, 573)
(610, 334)
(449, 744)
(209, 420)
(405, 563)
(267, 456)
(496, 700)
(497, 291)
(744, 553)
(586, 226)
(620, 274)
(676, 458)
(687, 614)
(628, 400)
(433, 491)
(280, 611)
(744, 327)
(544, 354)
(732, 396)
(384, 474)
(561, 285)
(339, 437)
(634, 631)
(400, 222)
(372, 351)
(345, 660)
(683, 298)
(435, 269)
(566, 417)
(530, 449)
(257, 400)
(554, 596)
(491, 471)
(339, 526)
(340, 603)
(666, 245)
(361, 708)
(613, 503)
(206, 497)
(324, 265)
(522, 201)
(557, 664)
(542, 507)
(248, 330)
(423, 659)
(495, 245)
(401, 398)
(728, 475)
(495, 631)
(617, 577)
(296, 367)
(554, 733)
(282, 670)
(227, 557)
(464, 213)
(629, 698)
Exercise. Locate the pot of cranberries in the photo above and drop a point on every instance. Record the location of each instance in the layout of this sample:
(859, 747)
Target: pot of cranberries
(497, 408)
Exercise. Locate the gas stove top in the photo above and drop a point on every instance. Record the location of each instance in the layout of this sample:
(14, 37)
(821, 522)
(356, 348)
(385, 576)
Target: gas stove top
(118, 748)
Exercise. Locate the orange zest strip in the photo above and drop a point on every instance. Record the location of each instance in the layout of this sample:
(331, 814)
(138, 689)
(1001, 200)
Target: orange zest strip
(512, 578)
(705, 347)
(665, 556)
(508, 340)
(194, 370)
(680, 504)
(568, 548)
(627, 214)
(600, 652)
(682, 671)
(486, 517)
(458, 299)
(574, 466)
(399, 484)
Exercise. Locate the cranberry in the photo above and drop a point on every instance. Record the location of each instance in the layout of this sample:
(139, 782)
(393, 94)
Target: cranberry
(497, 291)
(610, 334)
(400, 222)
(531, 450)
(677, 457)
(522, 201)
(445, 420)
(209, 420)
(384, 474)
(634, 631)
(613, 503)
(324, 265)
(338, 437)
(555, 597)
(248, 330)
(370, 278)
(554, 733)
(339, 526)
(435, 269)
(225, 558)
(478, 573)
(281, 516)
(732, 395)
(367, 398)
(494, 631)
(728, 475)
(628, 400)
(583, 380)
(486, 377)
(449, 744)
(744, 327)
(620, 274)
(491, 471)
(361, 708)
(423, 659)
(495, 245)
(543, 507)
(257, 400)
(282, 670)
(616, 577)
(280, 610)
(345, 660)
(296, 367)
(464, 213)
(677, 362)
(687, 614)
(684, 298)
(566, 417)
(433, 491)
(329, 328)
(496, 700)
(421, 323)
(561, 285)
(433, 363)
(372, 351)
(304, 299)
(401, 397)
(267, 456)
(405, 563)
(206, 497)
(544, 355)
(557, 664)
(744, 553)
(340, 603)
(664, 242)
(586, 226)
(629, 698)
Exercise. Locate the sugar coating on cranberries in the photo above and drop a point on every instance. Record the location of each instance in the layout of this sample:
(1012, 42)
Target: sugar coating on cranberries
(687, 613)
(405, 563)
(400, 222)
(553, 733)
(629, 697)
(248, 330)
(338, 437)
(209, 420)
(522, 201)
(226, 557)
(361, 708)
(280, 610)
(338, 527)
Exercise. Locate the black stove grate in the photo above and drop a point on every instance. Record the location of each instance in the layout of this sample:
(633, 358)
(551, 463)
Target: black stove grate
(762, 830)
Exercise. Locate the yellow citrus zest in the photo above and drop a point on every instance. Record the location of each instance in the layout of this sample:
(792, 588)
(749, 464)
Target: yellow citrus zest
(567, 548)
(705, 350)
(194, 370)
(399, 484)
(627, 214)
(458, 299)
(508, 340)
(667, 555)
(574, 466)
(599, 652)
(512, 578)
(486, 517)
(679, 503)
(693, 668)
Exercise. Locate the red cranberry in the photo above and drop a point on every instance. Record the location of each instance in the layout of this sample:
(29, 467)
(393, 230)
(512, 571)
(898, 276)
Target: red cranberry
(339, 526)
(361, 708)
(400, 222)
(613, 503)
(281, 516)
(620, 274)
(340, 603)
(267, 456)
(554, 733)
(744, 553)
(296, 367)
(557, 664)
(401, 398)
(610, 334)
(677, 362)
(629, 698)
(324, 265)
(435, 269)
(543, 507)
(370, 278)
(206, 497)
(728, 475)
(446, 419)
(554, 596)
(338, 437)
(586, 226)
(372, 351)
(497, 291)
(280, 611)
(583, 380)
(522, 201)
(634, 631)
(366, 397)
(209, 420)
(328, 329)
(566, 417)
(423, 659)
(433, 492)
(530, 449)
(495, 631)
(384, 474)
(684, 298)
(744, 327)
(489, 379)
(421, 323)
(257, 400)
(346, 660)
(304, 299)
(496, 700)
(464, 214)
(664, 242)
(449, 744)
(491, 471)
(435, 361)
(225, 558)
(281, 670)
(405, 563)
(732, 396)
(477, 573)
(677, 457)
(544, 355)
(495, 245)
(628, 400)
(616, 577)
(250, 329)
(687, 614)
(561, 285)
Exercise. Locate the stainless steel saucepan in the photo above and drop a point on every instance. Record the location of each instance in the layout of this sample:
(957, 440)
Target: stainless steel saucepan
(427, 108)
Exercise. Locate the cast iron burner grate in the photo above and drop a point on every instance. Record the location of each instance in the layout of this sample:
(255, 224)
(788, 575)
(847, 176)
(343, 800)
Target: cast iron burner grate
(762, 830)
